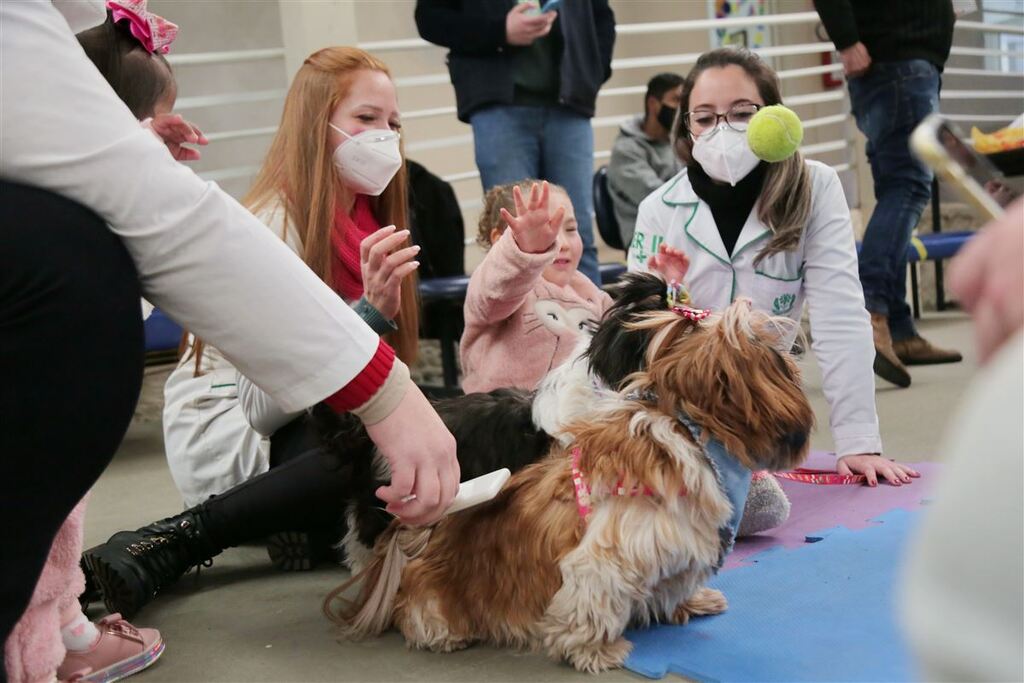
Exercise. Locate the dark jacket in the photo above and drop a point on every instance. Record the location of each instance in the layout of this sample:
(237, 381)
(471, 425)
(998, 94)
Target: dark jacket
(435, 221)
(891, 30)
(480, 61)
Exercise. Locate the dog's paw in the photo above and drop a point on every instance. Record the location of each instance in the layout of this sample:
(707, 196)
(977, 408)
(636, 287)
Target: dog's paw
(597, 658)
(705, 601)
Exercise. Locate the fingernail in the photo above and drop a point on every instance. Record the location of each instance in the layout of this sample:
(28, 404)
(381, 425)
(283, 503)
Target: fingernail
(407, 499)
(417, 247)
(416, 263)
(403, 232)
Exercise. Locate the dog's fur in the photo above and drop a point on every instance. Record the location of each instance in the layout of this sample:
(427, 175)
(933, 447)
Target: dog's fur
(495, 429)
(523, 570)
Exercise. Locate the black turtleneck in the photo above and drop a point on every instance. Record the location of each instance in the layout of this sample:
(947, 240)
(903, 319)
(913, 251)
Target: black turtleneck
(730, 206)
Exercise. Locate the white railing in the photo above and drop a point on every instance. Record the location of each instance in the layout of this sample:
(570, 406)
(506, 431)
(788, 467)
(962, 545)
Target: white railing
(837, 142)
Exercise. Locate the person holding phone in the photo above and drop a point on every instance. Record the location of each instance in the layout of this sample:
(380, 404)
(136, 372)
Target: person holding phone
(893, 55)
(526, 76)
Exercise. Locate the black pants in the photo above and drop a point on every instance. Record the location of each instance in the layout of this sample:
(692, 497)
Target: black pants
(71, 360)
(304, 490)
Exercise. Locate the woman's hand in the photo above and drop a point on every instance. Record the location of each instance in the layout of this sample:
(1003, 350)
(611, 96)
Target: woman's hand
(175, 131)
(535, 231)
(421, 453)
(871, 466)
(670, 262)
(383, 270)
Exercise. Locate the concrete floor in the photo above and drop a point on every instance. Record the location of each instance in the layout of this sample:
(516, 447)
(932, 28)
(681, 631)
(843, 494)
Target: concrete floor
(242, 621)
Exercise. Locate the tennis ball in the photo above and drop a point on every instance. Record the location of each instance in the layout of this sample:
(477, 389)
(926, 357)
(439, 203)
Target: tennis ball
(774, 133)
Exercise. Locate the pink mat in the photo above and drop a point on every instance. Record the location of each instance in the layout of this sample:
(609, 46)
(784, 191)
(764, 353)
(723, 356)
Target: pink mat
(816, 508)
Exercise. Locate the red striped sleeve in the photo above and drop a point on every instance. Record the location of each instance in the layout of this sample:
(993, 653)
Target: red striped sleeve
(364, 385)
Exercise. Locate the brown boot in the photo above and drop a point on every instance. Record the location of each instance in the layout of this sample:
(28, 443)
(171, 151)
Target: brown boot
(919, 351)
(887, 363)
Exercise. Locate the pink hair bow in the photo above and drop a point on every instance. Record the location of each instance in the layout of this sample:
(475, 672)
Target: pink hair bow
(155, 33)
(692, 314)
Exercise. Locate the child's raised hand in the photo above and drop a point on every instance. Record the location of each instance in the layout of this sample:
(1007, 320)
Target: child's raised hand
(176, 132)
(670, 262)
(535, 231)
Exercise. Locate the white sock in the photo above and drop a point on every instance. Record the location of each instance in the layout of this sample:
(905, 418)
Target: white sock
(79, 634)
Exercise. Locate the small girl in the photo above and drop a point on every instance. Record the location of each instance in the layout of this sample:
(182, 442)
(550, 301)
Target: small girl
(54, 633)
(526, 302)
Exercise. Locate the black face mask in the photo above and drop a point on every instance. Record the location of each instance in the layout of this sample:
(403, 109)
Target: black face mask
(667, 116)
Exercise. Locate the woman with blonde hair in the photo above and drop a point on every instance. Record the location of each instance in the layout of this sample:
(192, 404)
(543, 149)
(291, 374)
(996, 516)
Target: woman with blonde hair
(246, 468)
(777, 233)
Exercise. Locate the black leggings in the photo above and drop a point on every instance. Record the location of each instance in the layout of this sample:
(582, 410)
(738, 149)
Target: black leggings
(303, 491)
(71, 360)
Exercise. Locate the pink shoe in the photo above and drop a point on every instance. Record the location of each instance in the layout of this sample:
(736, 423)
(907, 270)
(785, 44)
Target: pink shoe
(120, 651)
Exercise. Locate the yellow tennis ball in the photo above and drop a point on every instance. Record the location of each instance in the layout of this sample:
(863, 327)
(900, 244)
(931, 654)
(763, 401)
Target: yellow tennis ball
(774, 133)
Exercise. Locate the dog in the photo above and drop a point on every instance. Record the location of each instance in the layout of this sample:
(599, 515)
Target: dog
(623, 521)
(501, 428)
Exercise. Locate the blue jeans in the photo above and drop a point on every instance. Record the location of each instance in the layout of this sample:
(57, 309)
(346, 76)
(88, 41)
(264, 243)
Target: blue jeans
(888, 103)
(547, 143)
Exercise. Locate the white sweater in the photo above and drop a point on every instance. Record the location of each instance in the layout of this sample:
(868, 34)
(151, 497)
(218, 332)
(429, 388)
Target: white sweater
(202, 258)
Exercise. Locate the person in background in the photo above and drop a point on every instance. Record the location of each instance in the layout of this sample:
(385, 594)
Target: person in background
(893, 54)
(527, 83)
(642, 156)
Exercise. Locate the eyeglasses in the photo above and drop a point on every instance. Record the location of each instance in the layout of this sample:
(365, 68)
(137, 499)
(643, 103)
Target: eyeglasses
(704, 121)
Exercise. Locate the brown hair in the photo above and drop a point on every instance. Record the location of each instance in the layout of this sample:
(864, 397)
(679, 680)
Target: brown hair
(500, 197)
(138, 77)
(785, 202)
(299, 170)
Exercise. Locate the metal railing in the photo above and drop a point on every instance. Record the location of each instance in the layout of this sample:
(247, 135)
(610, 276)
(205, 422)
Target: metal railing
(840, 140)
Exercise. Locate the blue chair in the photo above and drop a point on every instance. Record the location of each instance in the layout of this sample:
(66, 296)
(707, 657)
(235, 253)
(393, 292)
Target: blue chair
(162, 333)
(444, 296)
(604, 211)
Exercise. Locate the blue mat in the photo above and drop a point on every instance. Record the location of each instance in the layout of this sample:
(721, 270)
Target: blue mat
(821, 612)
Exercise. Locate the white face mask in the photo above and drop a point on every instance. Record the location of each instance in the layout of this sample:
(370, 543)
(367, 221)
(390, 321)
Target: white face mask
(725, 155)
(368, 161)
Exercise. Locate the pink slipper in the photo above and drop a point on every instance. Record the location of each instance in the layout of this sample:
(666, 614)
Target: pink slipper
(120, 651)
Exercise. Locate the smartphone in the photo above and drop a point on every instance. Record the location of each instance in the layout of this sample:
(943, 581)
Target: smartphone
(939, 143)
(550, 6)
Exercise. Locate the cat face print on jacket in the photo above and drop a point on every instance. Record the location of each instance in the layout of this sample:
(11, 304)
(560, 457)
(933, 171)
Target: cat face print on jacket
(559, 317)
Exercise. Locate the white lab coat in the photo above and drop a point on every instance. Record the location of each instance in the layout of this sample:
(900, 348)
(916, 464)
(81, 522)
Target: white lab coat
(202, 258)
(821, 271)
(216, 423)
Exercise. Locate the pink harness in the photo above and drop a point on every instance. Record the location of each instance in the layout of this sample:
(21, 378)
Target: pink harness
(583, 489)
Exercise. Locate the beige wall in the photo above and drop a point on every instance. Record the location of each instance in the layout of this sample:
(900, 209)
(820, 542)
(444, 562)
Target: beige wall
(301, 26)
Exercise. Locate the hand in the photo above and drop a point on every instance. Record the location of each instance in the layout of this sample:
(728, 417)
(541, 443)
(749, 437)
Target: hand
(988, 278)
(872, 465)
(533, 229)
(670, 262)
(383, 270)
(856, 60)
(522, 28)
(421, 453)
(175, 131)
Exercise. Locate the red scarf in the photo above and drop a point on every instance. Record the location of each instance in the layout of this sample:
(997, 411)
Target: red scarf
(348, 232)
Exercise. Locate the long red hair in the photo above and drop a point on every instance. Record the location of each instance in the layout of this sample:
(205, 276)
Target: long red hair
(299, 171)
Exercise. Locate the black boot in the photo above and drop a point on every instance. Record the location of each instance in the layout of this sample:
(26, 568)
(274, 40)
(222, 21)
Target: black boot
(133, 567)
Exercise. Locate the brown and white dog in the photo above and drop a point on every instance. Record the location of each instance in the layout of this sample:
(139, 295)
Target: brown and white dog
(623, 525)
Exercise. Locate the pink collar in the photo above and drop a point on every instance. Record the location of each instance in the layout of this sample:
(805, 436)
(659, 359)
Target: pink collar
(583, 489)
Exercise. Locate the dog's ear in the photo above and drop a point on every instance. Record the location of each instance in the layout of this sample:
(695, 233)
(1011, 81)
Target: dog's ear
(615, 350)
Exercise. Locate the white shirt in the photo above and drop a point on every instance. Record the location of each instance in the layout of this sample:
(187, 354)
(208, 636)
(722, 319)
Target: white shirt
(821, 270)
(202, 258)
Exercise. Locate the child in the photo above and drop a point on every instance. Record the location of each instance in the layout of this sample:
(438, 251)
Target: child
(777, 233)
(526, 302)
(54, 633)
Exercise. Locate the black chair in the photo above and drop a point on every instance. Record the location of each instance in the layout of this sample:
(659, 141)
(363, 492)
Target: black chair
(604, 211)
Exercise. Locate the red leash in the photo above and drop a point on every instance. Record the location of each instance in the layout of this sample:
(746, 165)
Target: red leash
(824, 477)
